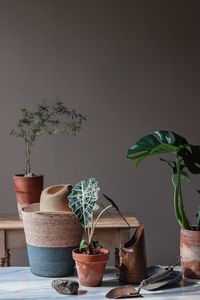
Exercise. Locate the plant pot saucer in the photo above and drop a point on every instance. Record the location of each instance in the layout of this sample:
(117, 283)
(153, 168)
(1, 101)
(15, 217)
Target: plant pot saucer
(172, 279)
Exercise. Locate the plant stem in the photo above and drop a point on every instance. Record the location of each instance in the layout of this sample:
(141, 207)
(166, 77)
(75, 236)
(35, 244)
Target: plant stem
(28, 159)
(178, 200)
(95, 223)
(176, 207)
(198, 220)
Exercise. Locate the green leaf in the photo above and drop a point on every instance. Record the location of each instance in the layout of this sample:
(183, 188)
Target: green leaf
(82, 200)
(96, 245)
(83, 245)
(185, 176)
(198, 219)
(191, 157)
(156, 143)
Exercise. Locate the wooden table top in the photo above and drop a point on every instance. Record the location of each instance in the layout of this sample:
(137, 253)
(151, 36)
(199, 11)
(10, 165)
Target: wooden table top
(12, 222)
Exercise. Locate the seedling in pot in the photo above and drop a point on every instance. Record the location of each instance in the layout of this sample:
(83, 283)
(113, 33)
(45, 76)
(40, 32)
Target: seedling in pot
(82, 202)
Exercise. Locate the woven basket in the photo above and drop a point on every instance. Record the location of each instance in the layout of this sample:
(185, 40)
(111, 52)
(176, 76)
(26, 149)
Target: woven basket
(50, 239)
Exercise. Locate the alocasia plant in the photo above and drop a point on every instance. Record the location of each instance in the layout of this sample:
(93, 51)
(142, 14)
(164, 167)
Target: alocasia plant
(82, 201)
(187, 160)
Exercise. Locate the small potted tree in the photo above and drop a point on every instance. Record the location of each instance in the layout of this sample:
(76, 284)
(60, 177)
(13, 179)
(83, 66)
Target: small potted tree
(53, 118)
(187, 161)
(90, 257)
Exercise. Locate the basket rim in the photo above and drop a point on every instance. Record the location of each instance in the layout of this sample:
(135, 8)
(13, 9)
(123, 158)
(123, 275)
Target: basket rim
(36, 211)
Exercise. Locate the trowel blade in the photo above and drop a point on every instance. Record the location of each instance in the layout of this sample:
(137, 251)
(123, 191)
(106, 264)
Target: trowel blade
(125, 291)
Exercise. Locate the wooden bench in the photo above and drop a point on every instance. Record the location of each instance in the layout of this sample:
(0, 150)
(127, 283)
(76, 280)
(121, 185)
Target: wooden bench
(111, 231)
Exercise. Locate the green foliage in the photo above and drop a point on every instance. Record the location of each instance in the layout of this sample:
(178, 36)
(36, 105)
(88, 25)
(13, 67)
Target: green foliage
(198, 219)
(93, 248)
(187, 160)
(53, 118)
(198, 216)
(82, 201)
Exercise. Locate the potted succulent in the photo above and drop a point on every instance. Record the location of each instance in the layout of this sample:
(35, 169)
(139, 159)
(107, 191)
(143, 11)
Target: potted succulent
(90, 257)
(186, 162)
(53, 118)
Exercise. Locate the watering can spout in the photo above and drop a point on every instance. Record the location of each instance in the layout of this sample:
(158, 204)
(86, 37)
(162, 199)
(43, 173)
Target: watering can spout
(133, 258)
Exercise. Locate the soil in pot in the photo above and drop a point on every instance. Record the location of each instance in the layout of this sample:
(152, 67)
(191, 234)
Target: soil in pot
(28, 190)
(90, 268)
(190, 253)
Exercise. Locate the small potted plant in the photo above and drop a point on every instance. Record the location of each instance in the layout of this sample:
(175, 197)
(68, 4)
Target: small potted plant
(53, 118)
(187, 161)
(90, 257)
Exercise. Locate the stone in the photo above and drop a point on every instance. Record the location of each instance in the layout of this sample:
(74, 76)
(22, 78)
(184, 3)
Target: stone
(66, 287)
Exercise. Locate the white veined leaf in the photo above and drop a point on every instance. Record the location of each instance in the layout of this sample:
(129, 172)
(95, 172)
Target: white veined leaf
(82, 200)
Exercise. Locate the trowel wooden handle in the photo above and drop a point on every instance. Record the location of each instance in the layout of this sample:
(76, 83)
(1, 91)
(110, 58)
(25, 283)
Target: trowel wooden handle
(157, 277)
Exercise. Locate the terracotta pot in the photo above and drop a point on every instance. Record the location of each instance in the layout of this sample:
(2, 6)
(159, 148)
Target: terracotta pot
(50, 239)
(28, 190)
(54, 198)
(90, 268)
(190, 253)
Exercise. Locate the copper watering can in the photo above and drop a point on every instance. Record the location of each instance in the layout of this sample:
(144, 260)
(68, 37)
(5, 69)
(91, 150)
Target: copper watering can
(131, 258)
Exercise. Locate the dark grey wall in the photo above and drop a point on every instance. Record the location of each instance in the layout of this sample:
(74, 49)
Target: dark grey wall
(132, 67)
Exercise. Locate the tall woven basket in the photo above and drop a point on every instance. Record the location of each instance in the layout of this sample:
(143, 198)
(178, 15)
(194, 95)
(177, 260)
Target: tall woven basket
(50, 239)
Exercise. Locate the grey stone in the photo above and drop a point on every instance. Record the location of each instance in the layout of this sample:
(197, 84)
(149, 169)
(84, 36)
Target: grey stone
(66, 287)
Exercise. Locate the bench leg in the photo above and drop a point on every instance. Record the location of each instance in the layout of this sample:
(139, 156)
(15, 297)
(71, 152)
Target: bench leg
(2, 262)
(2, 248)
(7, 258)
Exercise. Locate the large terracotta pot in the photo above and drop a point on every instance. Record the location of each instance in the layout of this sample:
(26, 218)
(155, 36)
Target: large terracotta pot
(50, 239)
(28, 190)
(90, 268)
(190, 253)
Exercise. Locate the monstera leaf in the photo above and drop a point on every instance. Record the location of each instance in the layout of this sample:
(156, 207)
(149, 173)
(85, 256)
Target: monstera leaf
(156, 143)
(163, 141)
(82, 200)
(191, 158)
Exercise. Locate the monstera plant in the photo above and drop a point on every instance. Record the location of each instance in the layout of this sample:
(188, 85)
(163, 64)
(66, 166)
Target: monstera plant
(186, 162)
(90, 257)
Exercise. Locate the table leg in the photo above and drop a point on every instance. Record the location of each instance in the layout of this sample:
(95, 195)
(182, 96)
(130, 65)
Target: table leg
(2, 262)
(2, 248)
(7, 258)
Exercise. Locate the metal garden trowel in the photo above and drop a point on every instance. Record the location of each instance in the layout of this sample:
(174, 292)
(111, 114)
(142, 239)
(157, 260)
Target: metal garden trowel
(128, 291)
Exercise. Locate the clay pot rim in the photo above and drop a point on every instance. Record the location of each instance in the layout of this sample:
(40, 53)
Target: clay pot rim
(91, 258)
(190, 230)
(104, 249)
(21, 175)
